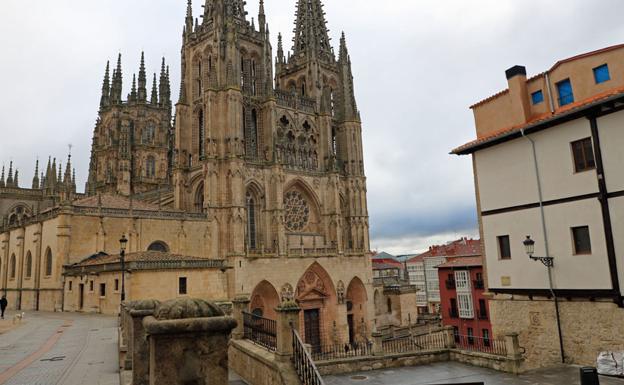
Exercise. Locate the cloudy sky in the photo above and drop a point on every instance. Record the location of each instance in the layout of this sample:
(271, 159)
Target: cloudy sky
(418, 65)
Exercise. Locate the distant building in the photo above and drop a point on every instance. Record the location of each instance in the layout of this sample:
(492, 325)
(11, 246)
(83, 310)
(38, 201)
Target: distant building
(463, 305)
(548, 163)
(394, 296)
(423, 272)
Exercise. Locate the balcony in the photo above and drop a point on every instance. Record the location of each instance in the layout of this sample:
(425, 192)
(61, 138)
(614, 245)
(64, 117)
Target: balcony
(479, 284)
(450, 284)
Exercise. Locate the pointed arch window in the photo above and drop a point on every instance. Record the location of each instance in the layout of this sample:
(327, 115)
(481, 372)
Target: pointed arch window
(48, 263)
(250, 130)
(199, 199)
(28, 265)
(252, 234)
(253, 77)
(150, 167)
(12, 267)
(149, 132)
(202, 134)
(158, 246)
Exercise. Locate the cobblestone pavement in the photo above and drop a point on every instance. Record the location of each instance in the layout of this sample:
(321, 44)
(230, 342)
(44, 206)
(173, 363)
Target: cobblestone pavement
(60, 348)
(455, 373)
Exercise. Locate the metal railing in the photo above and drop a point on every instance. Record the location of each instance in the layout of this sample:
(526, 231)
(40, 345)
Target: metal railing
(259, 330)
(333, 352)
(307, 371)
(425, 342)
(482, 345)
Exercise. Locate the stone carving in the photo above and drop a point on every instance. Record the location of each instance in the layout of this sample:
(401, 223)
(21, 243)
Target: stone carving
(297, 211)
(340, 292)
(287, 293)
(296, 147)
(187, 308)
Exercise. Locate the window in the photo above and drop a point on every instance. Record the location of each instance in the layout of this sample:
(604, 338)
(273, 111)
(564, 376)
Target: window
(150, 167)
(251, 222)
(389, 303)
(466, 310)
(158, 246)
(90, 285)
(202, 134)
(462, 281)
(566, 96)
(71, 286)
(601, 74)
(116, 284)
(582, 240)
(28, 265)
(537, 97)
(482, 309)
(48, 263)
(199, 199)
(102, 290)
(13, 266)
(182, 286)
(504, 247)
(470, 336)
(453, 312)
(583, 152)
(486, 337)
(456, 333)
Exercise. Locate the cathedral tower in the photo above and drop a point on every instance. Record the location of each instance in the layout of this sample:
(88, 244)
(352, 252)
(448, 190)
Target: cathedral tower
(131, 146)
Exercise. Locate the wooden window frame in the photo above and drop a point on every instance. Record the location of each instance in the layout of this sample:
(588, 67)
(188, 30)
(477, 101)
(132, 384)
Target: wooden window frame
(502, 257)
(180, 286)
(586, 161)
(574, 240)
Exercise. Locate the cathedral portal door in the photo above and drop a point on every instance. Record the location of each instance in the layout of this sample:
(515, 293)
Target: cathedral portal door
(351, 329)
(312, 322)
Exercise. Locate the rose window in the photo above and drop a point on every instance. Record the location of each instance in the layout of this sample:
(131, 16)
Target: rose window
(297, 211)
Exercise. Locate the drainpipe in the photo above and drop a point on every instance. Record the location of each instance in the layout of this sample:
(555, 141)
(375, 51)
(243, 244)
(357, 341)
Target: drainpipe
(545, 235)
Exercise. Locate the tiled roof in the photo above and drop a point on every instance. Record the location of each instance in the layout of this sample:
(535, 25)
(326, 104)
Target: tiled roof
(386, 262)
(110, 201)
(461, 248)
(462, 262)
(557, 64)
(384, 255)
(143, 256)
(499, 135)
(385, 266)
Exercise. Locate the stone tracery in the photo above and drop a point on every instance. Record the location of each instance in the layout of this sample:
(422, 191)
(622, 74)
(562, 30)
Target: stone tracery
(297, 211)
(296, 147)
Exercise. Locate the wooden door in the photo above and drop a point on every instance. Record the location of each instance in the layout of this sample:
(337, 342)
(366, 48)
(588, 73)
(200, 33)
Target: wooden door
(312, 322)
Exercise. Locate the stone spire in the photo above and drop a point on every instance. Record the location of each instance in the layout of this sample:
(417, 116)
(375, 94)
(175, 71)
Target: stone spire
(189, 17)
(47, 179)
(280, 49)
(16, 179)
(53, 179)
(35, 182)
(261, 18)
(142, 91)
(2, 184)
(73, 184)
(9, 181)
(311, 33)
(105, 100)
(154, 98)
(42, 181)
(117, 86)
(348, 107)
(165, 91)
(59, 178)
(67, 178)
(133, 92)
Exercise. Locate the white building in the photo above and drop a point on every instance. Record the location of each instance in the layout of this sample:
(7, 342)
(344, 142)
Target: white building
(548, 163)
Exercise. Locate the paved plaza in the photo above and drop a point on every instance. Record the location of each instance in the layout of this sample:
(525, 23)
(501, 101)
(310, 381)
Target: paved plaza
(455, 373)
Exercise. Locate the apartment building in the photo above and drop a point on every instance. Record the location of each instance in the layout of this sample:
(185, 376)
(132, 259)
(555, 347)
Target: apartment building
(548, 163)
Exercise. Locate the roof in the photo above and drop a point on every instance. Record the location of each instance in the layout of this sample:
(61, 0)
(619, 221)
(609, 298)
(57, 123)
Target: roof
(460, 248)
(384, 255)
(540, 122)
(554, 67)
(110, 201)
(142, 256)
(386, 263)
(462, 262)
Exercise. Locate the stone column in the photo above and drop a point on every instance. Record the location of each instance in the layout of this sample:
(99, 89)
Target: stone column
(138, 351)
(240, 304)
(287, 319)
(188, 342)
(377, 344)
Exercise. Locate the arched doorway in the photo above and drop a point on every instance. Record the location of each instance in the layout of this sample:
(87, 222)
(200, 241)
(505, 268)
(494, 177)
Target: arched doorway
(356, 311)
(316, 296)
(264, 300)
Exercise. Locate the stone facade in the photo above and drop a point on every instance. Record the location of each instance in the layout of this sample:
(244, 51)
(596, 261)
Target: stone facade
(263, 173)
(587, 328)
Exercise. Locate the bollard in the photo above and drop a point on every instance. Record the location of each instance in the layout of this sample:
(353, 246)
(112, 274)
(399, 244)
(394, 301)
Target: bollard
(589, 376)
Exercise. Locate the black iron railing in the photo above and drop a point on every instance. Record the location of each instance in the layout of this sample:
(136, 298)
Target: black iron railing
(333, 352)
(261, 331)
(425, 342)
(304, 365)
(482, 345)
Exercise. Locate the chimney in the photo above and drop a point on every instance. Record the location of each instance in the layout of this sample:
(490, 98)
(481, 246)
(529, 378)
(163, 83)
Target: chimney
(519, 94)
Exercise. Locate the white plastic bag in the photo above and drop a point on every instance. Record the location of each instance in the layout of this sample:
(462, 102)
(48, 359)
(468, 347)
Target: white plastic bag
(610, 363)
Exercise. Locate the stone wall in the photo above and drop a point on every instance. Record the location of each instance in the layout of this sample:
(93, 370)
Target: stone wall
(258, 366)
(364, 364)
(587, 328)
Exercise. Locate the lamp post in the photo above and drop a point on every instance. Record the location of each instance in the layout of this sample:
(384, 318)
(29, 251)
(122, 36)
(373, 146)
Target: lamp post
(549, 262)
(122, 258)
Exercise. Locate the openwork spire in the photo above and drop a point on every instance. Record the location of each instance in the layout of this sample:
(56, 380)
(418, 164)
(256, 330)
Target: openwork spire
(142, 91)
(311, 33)
(154, 98)
(104, 101)
(35, 181)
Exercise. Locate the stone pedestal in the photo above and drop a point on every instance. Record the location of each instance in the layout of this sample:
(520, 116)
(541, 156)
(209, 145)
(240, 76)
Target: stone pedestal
(240, 304)
(188, 341)
(139, 351)
(377, 344)
(512, 344)
(287, 320)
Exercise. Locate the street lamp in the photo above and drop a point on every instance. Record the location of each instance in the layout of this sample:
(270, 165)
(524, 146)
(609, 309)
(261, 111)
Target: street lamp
(529, 246)
(549, 262)
(122, 258)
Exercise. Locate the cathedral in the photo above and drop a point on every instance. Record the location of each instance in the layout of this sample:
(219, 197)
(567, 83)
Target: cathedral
(251, 186)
